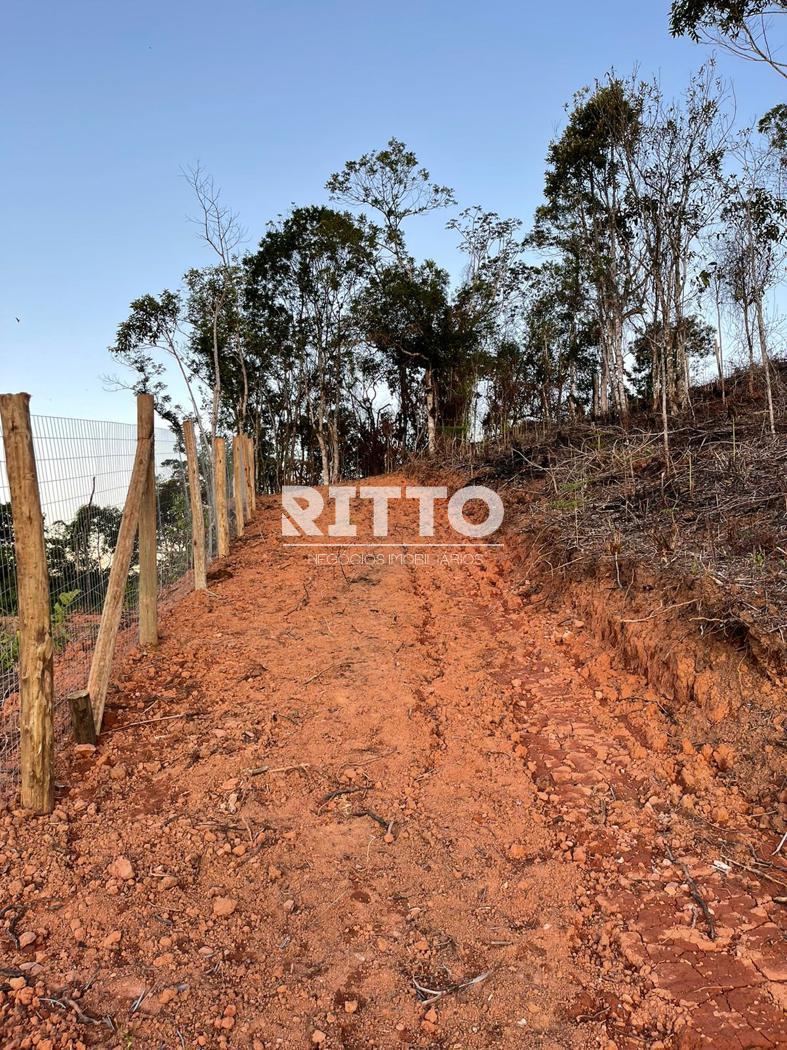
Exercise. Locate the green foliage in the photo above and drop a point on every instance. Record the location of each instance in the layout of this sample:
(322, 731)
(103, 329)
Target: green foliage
(693, 335)
(301, 286)
(60, 617)
(773, 125)
(7, 562)
(9, 649)
(343, 353)
(391, 182)
(153, 324)
(691, 17)
(739, 26)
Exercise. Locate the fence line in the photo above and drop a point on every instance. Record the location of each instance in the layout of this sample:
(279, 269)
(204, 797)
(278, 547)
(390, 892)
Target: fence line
(84, 468)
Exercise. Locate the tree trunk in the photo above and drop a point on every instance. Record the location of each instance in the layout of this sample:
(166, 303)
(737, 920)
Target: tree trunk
(719, 347)
(573, 400)
(431, 411)
(664, 406)
(656, 378)
(619, 394)
(603, 385)
(404, 402)
(749, 344)
(336, 472)
(765, 365)
(325, 478)
(682, 379)
(596, 402)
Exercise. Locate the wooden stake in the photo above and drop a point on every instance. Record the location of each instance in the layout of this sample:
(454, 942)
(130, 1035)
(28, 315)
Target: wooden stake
(148, 559)
(195, 497)
(36, 651)
(220, 482)
(238, 484)
(101, 664)
(82, 717)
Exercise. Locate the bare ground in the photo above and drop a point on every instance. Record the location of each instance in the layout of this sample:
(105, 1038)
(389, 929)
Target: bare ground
(364, 786)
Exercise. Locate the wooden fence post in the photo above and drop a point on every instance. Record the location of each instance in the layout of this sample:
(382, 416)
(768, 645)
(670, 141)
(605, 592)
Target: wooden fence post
(220, 483)
(36, 652)
(195, 498)
(238, 484)
(148, 558)
(101, 664)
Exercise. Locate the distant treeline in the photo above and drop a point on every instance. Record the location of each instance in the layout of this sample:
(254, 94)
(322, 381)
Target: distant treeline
(80, 551)
(655, 253)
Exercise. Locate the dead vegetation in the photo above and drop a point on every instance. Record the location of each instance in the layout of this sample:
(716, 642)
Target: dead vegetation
(710, 521)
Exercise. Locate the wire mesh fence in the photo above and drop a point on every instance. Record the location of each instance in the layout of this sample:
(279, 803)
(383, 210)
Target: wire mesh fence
(84, 468)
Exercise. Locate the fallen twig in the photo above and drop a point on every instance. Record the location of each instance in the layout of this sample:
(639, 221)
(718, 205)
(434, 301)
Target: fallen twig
(695, 893)
(756, 871)
(138, 1002)
(339, 792)
(19, 911)
(431, 995)
(277, 769)
(153, 721)
(375, 817)
(373, 759)
(65, 1004)
(324, 670)
(584, 1018)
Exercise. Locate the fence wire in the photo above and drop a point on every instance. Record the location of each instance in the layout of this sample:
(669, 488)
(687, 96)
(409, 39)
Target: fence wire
(84, 467)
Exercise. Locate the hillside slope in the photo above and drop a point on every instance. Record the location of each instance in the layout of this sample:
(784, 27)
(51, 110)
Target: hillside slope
(337, 792)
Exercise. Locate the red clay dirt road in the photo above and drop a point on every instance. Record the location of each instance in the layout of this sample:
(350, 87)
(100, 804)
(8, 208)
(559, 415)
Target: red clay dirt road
(378, 784)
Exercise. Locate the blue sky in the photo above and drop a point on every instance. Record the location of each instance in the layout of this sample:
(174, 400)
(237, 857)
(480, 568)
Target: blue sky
(105, 103)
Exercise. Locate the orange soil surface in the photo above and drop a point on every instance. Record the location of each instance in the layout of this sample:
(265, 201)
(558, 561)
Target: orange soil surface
(384, 805)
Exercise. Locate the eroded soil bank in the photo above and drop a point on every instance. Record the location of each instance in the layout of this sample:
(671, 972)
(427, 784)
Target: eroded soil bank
(355, 781)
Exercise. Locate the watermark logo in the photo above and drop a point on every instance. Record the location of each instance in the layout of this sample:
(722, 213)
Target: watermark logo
(303, 505)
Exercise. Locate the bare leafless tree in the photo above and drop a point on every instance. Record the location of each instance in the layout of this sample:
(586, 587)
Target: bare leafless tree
(220, 229)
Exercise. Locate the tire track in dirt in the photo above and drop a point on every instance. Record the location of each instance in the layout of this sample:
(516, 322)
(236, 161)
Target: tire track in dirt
(378, 773)
(610, 798)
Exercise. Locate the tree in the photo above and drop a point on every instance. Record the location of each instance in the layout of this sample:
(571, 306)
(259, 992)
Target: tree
(673, 172)
(91, 537)
(739, 26)
(218, 342)
(495, 268)
(157, 324)
(392, 183)
(752, 245)
(304, 280)
(215, 288)
(587, 215)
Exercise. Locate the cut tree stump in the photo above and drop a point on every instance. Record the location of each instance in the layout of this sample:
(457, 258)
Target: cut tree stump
(82, 717)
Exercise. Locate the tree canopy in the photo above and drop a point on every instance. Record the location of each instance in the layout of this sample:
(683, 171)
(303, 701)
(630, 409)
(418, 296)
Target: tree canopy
(654, 252)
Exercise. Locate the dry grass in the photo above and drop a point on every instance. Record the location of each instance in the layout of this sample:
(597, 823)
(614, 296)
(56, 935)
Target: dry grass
(714, 512)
